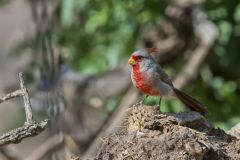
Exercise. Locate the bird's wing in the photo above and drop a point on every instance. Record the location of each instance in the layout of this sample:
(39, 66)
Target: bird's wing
(166, 80)
(164, 77)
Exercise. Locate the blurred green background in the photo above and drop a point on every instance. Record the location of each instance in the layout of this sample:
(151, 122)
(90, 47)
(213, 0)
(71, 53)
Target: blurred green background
(98, 35)
(95, 37)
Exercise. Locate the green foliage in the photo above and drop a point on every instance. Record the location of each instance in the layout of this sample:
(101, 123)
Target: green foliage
(223, 72)
(100, 34)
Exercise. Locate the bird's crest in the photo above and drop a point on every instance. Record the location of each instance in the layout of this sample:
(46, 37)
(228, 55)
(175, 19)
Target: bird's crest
(151, 50)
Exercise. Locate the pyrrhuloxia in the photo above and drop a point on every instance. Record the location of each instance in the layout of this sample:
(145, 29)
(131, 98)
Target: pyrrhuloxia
(150, 79)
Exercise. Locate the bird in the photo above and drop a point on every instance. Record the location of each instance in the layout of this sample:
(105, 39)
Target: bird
(150, 79)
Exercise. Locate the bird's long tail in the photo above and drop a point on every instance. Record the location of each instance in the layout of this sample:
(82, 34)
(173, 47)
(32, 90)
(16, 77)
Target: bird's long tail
(190, 102)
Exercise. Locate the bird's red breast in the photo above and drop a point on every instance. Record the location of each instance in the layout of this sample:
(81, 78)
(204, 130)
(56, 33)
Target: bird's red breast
(141, 82)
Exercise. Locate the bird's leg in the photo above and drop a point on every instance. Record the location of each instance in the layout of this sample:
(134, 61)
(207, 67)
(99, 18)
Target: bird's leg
(145, 97)
(159, 103)
(143, 100)
(160, 100)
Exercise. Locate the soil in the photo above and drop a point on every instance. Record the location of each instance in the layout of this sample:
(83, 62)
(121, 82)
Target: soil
(150, 135)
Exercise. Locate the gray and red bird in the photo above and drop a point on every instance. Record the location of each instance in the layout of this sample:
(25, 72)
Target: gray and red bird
(150, 79)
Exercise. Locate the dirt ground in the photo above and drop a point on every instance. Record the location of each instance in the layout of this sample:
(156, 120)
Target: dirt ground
(150, 135)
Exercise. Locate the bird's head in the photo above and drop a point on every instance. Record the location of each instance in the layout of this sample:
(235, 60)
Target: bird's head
(142, 58)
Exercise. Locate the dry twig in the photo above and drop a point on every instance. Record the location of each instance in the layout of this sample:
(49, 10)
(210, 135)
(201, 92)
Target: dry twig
(27, 130)
(30, 128)
(8, 96)
(27, 105)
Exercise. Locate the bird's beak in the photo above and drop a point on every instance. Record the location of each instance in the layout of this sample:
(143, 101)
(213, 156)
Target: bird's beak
(131, 61)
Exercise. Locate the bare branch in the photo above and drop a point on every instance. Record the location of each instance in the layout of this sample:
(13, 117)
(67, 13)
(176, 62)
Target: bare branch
(27, 105)
(8, 96)
(30, 128)
(27, 130)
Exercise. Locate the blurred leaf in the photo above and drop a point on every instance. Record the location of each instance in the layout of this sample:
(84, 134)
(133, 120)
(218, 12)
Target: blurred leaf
(237, 14)
(218, 13)
(67, 12)
(225, 31)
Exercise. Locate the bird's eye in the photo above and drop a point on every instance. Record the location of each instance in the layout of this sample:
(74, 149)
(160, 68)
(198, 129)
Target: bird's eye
(140, 58)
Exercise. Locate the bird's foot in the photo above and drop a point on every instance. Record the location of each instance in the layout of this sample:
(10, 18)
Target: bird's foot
(158, 108)
(159, 104)
(140, 103)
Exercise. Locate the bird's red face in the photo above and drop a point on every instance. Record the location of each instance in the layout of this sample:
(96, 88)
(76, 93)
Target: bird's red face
(135, 59)
(139, 56)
